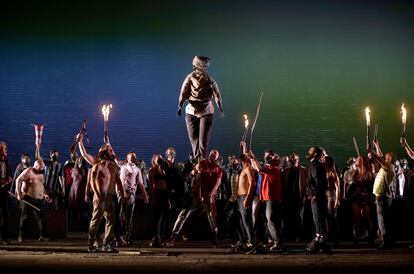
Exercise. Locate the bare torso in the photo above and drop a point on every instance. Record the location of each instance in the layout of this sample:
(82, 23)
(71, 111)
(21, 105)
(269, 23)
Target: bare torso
(245, 180)
(31, 184)
(101, 179)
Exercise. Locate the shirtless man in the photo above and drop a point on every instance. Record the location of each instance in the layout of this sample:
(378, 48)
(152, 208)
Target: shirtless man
(245, 193)
(103, 202)
(105, 207)
(30, 188)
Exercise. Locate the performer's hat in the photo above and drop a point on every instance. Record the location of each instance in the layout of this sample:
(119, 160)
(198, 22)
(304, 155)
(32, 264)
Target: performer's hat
(201, 62)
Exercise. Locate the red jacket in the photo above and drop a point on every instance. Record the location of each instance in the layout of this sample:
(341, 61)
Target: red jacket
(271, 184)
(207, 179)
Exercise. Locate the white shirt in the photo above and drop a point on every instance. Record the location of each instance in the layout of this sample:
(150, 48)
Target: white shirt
(130, 176)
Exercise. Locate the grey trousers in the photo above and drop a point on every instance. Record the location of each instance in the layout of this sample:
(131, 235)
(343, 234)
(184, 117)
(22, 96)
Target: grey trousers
(199, 132)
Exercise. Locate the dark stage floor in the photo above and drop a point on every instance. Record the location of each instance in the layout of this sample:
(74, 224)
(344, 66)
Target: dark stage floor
(70, 254)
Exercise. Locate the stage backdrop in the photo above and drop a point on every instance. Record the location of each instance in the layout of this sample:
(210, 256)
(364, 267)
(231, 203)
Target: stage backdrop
(318, 63)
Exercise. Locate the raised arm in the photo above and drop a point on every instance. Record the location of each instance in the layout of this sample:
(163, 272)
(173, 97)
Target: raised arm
(255, 163)
(404, 143)
(89, 158)
(243, 147)
(378, 148)
(379, 158)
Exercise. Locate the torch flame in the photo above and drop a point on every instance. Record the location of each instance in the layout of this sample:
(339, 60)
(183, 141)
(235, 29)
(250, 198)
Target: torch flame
(105, 111)
(404, 114)
(367, 117)
(246, 121)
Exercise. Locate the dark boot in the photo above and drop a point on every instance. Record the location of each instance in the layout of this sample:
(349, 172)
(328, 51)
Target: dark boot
(155, 242)
(215, 240)
(171, 241)
(313, 246)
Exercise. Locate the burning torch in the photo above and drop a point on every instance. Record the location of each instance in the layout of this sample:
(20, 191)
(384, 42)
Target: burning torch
(246, 128)
(403, 119)
(105, 112)
(368, 122)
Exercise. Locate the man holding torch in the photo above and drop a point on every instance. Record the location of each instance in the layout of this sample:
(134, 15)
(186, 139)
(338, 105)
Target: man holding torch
(382, 190)
(105, 192)
(198, 89)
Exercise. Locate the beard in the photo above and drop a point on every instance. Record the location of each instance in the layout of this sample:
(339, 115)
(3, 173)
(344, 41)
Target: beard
(104, 155)
(37, 172)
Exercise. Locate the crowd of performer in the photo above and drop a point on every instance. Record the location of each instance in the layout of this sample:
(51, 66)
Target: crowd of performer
(261, 200)
(253, 201)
